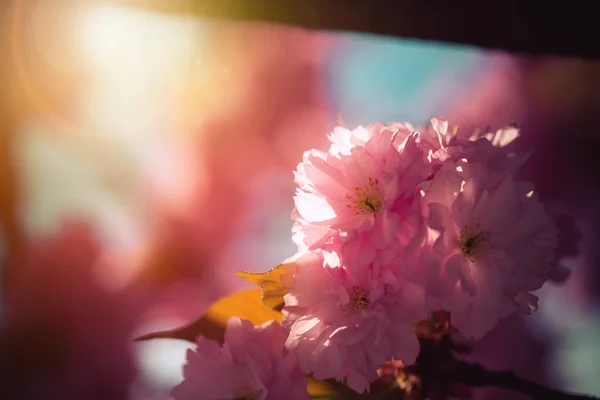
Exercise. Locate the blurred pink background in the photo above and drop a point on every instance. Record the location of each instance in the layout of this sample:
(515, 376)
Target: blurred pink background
(148, 156)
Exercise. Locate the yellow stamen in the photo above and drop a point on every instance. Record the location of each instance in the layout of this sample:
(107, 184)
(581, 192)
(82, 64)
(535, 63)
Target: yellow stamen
(366, 198)
(471, 244)
(359, 298)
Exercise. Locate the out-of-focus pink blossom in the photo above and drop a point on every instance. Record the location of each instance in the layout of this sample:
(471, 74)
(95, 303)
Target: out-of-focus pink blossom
(252, 363)
(64, 336)
(345, 321)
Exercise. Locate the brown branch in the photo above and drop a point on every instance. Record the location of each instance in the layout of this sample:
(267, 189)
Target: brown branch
(438, 371)
(475, 375)
(531, 26)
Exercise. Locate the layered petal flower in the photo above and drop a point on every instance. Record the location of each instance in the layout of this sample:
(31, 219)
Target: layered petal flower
(346, 320)
(493, 151)
(489, 247)
(434, 139)
(252, 364)
(358, 185)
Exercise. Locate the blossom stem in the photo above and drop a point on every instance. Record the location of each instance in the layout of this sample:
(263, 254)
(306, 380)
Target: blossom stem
(476, 375)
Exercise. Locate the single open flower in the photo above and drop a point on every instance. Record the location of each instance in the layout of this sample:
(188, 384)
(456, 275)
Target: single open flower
(358, 185)
(491, 248)
(345, 322)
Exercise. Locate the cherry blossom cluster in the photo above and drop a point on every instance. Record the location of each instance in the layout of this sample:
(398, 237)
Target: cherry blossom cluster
(393, 224)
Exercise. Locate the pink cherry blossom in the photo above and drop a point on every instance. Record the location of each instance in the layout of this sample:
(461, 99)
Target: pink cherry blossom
(488, 152)
(358, 185)
(252, 363)
(346, 320)
(488, 248)
(434, 139)
(488, 158)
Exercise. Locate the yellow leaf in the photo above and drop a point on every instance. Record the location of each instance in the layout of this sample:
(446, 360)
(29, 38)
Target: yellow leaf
(319, 388)
(274, 283)
(245, 304)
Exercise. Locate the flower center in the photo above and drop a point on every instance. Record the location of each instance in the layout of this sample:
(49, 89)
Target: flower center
(471, 244)
(359, 298)
(366, 198)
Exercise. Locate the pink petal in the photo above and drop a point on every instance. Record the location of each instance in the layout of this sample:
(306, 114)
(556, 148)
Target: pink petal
(440, 219)
(458, 266)
(505, 136)
(313, 208)
(528, 302)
